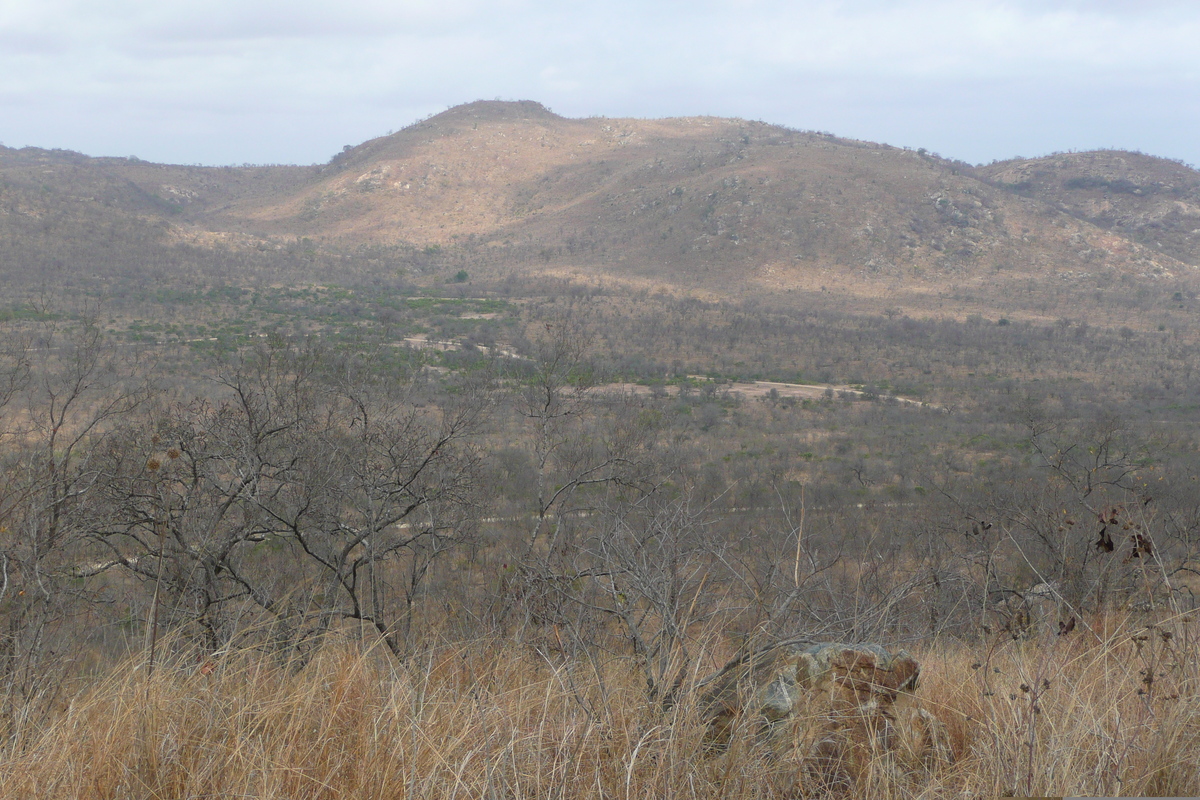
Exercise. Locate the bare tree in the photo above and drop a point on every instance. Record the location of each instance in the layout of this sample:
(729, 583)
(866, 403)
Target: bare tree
(67, 391)
(314, 491)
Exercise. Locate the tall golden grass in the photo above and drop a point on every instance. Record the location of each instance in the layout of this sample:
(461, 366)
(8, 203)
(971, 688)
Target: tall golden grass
(1113, 709)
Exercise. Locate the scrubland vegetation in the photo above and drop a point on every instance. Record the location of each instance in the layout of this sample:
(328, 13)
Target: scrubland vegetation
(279, 542)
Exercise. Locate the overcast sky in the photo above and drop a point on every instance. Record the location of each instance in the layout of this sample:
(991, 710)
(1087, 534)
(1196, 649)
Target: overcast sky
(275, 81)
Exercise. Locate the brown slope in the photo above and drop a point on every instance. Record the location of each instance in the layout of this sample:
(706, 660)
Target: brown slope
(722, 204)
(1154, 201)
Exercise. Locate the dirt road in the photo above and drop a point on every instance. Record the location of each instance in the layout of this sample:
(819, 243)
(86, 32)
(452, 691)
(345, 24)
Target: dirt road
(758, 389)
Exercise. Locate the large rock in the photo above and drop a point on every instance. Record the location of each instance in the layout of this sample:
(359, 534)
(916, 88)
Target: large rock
(835, 703)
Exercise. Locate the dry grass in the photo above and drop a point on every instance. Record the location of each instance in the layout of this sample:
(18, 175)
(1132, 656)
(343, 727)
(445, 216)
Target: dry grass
(497, 720)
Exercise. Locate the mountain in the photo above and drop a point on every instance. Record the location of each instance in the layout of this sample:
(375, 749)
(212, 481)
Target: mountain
(726, 207)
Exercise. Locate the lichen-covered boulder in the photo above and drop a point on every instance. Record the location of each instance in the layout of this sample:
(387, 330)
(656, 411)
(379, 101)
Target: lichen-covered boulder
(823, 699)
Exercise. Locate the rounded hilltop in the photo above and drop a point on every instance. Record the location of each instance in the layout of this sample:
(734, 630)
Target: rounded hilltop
(497, 110)
(447, 123)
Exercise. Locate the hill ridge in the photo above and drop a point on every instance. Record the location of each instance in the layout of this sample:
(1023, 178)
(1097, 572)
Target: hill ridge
(729, 207)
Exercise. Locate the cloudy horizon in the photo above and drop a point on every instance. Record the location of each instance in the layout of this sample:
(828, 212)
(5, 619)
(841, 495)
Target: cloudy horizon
(262, 81)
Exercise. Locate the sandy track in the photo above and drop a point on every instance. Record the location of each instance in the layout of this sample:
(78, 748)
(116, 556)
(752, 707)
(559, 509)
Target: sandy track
(759, 389)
